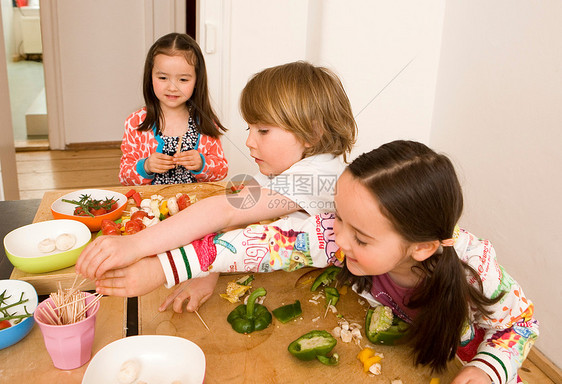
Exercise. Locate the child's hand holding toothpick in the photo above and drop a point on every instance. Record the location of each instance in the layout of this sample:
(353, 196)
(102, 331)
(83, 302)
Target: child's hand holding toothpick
(189, 159)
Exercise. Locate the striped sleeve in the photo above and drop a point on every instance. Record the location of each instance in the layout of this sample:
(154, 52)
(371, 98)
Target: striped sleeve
(180, 264)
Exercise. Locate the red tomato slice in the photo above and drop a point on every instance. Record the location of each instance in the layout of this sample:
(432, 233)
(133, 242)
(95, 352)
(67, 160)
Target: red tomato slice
(5, 324)
(133, 226)
(98, 212)
(111, 231)
(79, 211)
(183, 201)
(109, 227)
(137, 198)
(113, 205)
(139, 215)
(109, 223)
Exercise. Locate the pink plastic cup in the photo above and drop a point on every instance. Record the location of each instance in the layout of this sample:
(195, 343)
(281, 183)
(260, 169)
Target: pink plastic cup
(70, 346)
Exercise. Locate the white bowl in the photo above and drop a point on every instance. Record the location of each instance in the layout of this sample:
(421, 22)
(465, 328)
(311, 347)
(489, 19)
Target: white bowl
(162, 359)
(22, 245)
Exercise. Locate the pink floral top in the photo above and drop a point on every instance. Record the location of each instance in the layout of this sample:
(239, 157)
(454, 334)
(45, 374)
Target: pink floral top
(137, 146)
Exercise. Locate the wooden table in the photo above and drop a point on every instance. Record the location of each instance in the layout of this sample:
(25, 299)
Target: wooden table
(260, 357)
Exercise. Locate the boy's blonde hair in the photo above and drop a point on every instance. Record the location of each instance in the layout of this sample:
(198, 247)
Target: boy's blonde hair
(306, 100)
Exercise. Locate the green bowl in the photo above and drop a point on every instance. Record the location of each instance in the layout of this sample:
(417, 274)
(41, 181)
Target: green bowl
(22, 249)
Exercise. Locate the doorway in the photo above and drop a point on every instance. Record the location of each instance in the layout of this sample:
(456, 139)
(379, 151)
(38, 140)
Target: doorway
(24, 60)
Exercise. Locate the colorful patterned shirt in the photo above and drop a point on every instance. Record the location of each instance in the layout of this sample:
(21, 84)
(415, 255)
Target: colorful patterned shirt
(499, 343)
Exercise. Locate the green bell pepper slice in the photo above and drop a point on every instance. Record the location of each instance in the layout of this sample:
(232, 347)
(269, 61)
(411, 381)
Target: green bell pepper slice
(325, 277)
(250, 317)
(332, 295)
(288, 312)
(314, 344)
(382, 327)
(332, 360)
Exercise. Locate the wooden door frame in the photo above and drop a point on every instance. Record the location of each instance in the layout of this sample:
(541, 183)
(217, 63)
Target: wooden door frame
(8, 169)
(53, 78)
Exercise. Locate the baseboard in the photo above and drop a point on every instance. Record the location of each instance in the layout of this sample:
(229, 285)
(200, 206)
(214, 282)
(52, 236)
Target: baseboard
(545, 365)
(31, 145)
(93, 145)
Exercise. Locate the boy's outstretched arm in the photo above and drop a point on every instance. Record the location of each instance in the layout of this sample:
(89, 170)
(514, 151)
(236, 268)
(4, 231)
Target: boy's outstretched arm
(207, 216)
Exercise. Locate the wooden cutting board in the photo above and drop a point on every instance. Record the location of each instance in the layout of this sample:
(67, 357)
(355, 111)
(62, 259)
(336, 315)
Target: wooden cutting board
(29, 362)
(46, 283)
(262, 357)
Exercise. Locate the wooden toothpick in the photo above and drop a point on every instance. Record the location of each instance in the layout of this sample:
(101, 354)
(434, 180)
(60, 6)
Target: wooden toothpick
(178, 150)
(327, 308)
(203, 321)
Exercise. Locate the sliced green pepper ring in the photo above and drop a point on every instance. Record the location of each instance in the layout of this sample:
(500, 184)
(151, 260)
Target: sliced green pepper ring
(325, 277)
(312, 344)
(391, 336)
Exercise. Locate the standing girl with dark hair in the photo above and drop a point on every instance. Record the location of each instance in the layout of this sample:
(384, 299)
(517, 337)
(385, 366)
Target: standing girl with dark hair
(175, 137)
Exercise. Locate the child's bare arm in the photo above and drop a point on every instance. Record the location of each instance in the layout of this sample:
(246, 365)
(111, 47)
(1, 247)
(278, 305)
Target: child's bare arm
(146, 275)
(136, 279)
(195, 291)
(207, 216)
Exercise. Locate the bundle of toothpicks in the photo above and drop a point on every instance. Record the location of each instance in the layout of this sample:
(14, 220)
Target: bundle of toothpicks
(68, 305)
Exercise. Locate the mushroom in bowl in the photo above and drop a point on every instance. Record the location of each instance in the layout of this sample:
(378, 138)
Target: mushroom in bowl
(47, 245)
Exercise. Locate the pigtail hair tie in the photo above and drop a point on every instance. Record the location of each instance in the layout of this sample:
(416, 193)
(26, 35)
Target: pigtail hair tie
(447, 242)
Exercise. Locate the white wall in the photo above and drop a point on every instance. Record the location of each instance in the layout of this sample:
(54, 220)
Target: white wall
(497, 112)
(367, 43)
(262, 34)
(378, 44)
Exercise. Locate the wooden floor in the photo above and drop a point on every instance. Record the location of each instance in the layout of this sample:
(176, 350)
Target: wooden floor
(40, 171)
